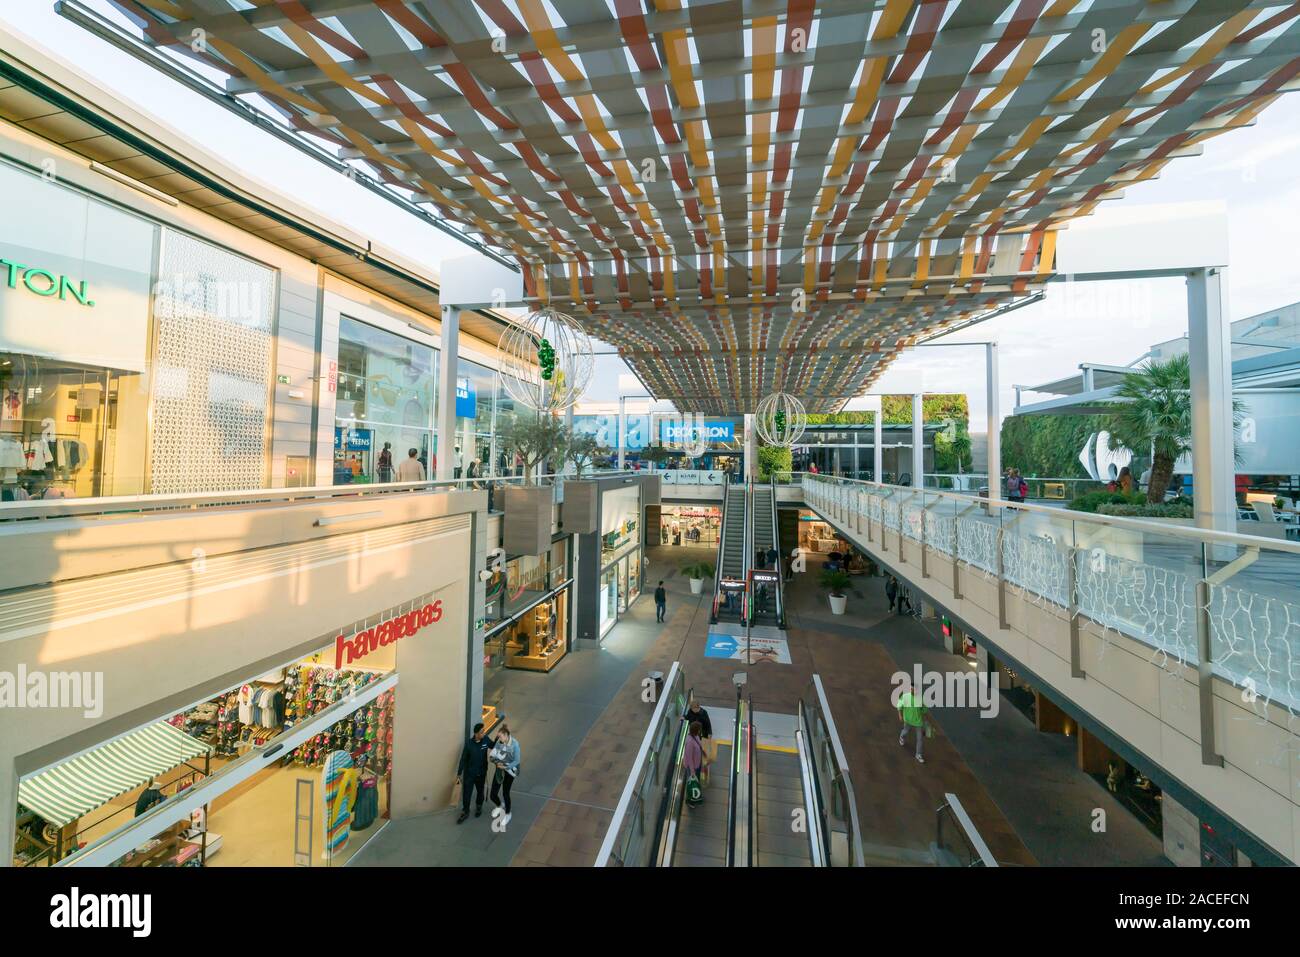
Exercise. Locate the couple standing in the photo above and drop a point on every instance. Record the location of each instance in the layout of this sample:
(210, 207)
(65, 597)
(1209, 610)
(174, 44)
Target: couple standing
(480, 751)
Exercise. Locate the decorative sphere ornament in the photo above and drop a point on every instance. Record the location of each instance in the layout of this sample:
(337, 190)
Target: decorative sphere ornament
(546, 360)
(780, 420)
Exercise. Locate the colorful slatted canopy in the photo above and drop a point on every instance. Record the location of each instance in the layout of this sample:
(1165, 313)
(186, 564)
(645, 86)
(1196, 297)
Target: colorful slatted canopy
(66, 791)
(751, 195)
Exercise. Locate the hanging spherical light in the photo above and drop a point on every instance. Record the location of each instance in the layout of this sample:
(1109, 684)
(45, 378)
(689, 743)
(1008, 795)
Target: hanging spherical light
(546, 360)
(780, 420)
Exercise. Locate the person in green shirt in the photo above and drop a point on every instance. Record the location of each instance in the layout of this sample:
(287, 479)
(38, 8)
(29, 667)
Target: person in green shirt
(912, 713)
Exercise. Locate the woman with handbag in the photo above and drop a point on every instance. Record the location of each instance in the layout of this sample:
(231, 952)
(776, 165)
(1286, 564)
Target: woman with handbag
(506, 758)
(693, 762)
(696, 713)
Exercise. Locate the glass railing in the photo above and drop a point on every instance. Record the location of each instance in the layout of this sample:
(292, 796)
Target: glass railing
(634, 835)
(957, 841)
(1176, 588)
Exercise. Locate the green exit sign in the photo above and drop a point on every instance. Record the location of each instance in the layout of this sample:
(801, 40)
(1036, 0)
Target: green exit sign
(282, 379)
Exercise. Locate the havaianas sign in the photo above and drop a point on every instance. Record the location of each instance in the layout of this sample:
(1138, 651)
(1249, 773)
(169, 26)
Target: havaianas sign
(42, 282)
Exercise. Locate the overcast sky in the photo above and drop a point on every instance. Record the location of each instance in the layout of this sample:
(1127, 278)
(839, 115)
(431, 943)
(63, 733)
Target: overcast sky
(1251, 171)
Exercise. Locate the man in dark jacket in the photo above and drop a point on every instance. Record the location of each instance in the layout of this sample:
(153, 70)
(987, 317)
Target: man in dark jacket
(661, 602)
(473, 771)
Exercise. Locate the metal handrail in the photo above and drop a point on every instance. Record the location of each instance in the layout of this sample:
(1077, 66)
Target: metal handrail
(779, 564)
(813, 801)
(980, 854)
(738, 729)
(621, 810)
(746, 606)
(128, 504)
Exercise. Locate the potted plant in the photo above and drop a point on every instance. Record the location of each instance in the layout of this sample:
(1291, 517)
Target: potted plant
(697, 572)
(836, 582)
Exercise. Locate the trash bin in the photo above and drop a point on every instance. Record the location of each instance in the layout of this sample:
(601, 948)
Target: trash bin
(658, 678)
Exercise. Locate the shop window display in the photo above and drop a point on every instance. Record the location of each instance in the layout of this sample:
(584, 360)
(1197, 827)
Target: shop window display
(345, 768)
(538, 640)
(385, 405)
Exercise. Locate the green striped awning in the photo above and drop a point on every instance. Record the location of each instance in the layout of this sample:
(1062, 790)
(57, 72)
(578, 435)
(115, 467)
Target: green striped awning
(66, 791)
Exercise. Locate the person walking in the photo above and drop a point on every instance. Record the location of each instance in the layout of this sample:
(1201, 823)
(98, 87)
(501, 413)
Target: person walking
(386, 463)
(891, 591)
(661, 602)
(911, 712)
(772, 556)
(411, 470)
(505, 757)
(473, 771)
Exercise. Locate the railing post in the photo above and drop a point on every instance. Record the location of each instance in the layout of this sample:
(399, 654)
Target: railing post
(870, 537)
(956, 559)
(1072, 598)
(1209, 752)
(1002, 582)
(925, 563)
(901, 522)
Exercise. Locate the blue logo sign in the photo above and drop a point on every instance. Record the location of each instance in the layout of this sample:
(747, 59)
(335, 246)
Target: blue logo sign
(358, 440)
(715, 430)
(466, 398)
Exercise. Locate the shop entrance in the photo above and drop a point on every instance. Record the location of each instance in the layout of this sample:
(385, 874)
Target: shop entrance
(690, 525)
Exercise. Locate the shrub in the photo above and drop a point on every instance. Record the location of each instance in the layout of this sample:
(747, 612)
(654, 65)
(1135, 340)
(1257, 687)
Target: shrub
(1175, 509)
(697, 570)
(1092, 501)
(836, 582)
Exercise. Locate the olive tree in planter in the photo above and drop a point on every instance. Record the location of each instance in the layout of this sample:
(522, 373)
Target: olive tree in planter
(582, 450)
(536, 439)
(697, 572)
(836, 582)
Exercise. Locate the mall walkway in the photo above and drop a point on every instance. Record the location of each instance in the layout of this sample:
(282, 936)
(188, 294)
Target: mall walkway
(1021, 786)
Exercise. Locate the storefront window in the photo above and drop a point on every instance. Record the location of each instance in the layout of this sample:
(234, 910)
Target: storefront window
(690, 525)
(385, 406)
(539, 638)
(475, 419)
(314, 806)
(608, 600)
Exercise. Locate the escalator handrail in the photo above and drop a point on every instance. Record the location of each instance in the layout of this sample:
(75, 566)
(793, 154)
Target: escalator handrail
(752, 755)
(737, 730)
(842, 764)
(748, 563)
(814, 798)
(780, 574)
(668, 818)
(722, 552)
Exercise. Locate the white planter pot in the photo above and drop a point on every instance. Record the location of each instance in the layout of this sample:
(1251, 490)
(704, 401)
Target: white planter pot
(697, 586)
(838, 603)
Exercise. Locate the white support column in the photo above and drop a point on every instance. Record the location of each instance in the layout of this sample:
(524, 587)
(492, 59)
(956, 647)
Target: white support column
(918, 442)
(1210, 353)
(751, 448)
(994, 421)
(622, 431)
(878, 453)
(449, 350)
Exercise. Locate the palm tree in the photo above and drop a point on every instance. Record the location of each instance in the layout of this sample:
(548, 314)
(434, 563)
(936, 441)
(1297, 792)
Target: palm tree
(1155, 411)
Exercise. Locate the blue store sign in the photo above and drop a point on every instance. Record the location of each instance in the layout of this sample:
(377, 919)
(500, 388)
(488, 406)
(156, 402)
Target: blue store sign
(358, 440)
(466, 398)
(715, 430)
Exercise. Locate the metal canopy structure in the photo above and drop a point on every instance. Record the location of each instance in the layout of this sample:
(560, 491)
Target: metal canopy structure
(753, 195)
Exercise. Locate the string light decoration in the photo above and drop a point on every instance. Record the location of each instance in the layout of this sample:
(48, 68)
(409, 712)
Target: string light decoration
(546, 360)
(780, 420)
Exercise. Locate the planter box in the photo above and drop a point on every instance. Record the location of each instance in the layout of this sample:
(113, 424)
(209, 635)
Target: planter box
(526, 525)
(580, 511)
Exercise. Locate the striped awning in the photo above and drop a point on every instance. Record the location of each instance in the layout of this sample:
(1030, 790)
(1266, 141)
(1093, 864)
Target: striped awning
(66, 791)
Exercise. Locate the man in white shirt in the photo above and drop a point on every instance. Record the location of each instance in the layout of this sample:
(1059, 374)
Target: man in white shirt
(411, 470)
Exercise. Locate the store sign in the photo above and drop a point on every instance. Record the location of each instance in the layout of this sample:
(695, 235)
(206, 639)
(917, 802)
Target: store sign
(43, 282)
(714, 430)
(76, 276)
(466, 398)
(354, 440)
(347, 650)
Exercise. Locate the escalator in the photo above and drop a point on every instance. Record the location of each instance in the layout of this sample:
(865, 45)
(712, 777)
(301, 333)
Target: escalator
(784, 800)
(767, 598)
(733, 559)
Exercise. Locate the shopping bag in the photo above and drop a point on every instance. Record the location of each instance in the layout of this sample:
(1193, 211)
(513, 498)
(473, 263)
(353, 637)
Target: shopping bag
(929, 730)
(455, 791)
(694, 792)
